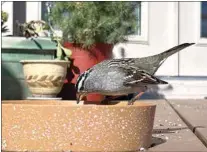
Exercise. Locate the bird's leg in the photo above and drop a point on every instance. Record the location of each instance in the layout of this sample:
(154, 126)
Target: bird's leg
(131, 102)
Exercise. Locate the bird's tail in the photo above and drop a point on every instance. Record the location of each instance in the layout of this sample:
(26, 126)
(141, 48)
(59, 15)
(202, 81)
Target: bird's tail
(173, 50)
(157, 60)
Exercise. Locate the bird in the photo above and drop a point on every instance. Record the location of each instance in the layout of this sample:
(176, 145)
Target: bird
(118, 77)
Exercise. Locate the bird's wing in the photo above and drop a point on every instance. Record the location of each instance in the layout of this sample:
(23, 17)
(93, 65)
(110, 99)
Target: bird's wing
(137, 77)
(120, 62)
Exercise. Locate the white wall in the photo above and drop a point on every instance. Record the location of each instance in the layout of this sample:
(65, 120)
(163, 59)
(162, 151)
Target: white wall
(192, 62)
(162, 34)
(8, 7)
(170, 24)
(35, 11)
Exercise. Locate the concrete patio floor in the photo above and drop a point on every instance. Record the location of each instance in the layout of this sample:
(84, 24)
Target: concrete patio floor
(180, 125)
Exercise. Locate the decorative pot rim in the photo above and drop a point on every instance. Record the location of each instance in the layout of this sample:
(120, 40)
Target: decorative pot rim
(72, 103)
(44, 61)
(116, 127)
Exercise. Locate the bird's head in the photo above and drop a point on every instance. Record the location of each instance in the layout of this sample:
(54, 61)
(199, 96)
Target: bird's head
(81, 88)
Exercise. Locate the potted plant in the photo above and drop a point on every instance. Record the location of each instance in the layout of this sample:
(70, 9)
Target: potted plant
(45, 78)
(38, 28)
(14, 49)
(4, 18)
(90, 30)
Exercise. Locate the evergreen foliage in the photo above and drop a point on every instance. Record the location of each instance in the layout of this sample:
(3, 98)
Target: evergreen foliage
(87, 23)
(4, 18)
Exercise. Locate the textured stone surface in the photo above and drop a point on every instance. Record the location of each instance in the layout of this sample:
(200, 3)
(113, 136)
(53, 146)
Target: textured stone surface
(202, 134)
(65, 126)
(194, 113)
(171, 133)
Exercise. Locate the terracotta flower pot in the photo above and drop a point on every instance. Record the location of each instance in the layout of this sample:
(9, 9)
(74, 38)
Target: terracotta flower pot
(82, 60)
(44, 78)
(66, 126)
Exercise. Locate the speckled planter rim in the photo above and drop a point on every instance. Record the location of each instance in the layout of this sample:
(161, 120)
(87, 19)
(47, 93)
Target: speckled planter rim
(30, 125)
(73, 103)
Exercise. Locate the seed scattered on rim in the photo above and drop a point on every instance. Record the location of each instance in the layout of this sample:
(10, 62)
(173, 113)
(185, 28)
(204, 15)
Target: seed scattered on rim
(142, 149)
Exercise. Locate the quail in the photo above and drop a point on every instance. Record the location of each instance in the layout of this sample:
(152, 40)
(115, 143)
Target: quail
(117, 77)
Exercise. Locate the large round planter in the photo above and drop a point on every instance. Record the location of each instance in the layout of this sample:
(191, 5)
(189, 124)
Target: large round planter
(66, 126)
(45, 78)
(82, 60)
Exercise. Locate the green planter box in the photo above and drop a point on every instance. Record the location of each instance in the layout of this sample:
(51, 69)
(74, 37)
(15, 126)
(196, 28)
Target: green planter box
(15, 49)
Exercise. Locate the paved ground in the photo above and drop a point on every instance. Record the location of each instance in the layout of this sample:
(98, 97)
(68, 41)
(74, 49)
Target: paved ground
(194, 113)
(180, 125)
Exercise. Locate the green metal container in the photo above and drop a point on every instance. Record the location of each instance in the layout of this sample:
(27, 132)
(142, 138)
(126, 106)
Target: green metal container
(15, 49)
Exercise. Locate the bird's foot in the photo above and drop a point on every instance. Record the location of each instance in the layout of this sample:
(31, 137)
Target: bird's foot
(80, 103)
(77, 101)
(131, 102)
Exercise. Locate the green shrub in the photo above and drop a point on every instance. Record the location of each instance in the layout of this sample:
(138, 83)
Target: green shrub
(87, 23)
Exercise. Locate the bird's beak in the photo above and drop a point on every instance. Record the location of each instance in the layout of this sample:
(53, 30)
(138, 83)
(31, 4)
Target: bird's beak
(79, 97)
